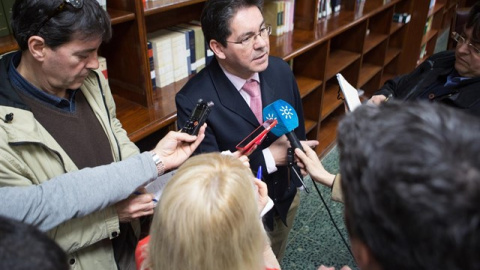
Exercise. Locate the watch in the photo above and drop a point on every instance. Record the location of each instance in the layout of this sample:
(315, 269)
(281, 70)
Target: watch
(158, 163)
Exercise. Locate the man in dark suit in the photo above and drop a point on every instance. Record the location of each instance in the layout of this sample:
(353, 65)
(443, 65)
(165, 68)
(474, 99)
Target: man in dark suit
(237, 34)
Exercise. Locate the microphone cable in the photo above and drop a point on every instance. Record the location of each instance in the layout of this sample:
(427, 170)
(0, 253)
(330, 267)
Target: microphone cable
(331, 218)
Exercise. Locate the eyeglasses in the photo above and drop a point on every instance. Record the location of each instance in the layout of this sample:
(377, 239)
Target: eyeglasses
(248, 40)
(462, 40)
(77, 4)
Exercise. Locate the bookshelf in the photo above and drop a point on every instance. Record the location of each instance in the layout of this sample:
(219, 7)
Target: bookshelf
(361, 41)
(438, 26)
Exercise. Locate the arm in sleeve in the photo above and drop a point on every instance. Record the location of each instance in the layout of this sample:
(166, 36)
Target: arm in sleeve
(337, 194)
(76, 194)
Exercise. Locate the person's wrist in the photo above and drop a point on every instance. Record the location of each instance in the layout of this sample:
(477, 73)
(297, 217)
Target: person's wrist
(158, 163)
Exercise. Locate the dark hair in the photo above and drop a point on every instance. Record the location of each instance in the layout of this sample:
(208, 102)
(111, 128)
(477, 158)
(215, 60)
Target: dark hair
(411, 183)
(88, 22)
(217, 14)
(23, 247)
(473, 20)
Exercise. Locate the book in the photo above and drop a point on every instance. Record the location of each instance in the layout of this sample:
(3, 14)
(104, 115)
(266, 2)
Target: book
(7, 10)
(189, 45)
(197, 55)
(162, 57)
(201, 46)
(180, 55)
(4, 30)
(336, 5)
(352, 98)
(151, 64)
(401, 17)
(273, 12)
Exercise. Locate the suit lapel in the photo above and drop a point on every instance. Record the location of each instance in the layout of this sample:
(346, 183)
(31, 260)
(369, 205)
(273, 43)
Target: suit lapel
(228, 95)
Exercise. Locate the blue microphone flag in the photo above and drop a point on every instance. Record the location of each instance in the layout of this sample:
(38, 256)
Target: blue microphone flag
(284, 113)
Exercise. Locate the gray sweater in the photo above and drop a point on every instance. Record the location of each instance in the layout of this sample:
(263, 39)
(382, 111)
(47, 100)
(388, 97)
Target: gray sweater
(76, 194)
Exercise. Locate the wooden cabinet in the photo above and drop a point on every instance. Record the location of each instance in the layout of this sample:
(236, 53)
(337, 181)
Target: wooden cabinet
(361, 41)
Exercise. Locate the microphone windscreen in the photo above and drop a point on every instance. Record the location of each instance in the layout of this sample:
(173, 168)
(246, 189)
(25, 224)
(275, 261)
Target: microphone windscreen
(284, 113)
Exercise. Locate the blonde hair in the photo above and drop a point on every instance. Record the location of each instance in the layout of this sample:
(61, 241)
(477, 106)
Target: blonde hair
(207, 218)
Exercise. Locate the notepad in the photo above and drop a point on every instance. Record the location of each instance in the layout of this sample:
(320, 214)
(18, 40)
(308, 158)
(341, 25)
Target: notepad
(349, 92)
(156, 187)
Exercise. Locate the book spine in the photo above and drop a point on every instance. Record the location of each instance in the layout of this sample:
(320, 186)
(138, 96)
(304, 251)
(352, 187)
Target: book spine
(4, 30)
(7, 10)
(151, 63)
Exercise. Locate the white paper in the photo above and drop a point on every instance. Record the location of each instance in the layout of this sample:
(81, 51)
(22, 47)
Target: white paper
(156, 187)
(349, 92)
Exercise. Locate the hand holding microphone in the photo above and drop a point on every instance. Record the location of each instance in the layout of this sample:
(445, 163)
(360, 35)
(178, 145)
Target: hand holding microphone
(287, 119)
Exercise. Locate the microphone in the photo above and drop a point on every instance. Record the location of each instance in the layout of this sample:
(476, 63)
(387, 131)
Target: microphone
(287, 119)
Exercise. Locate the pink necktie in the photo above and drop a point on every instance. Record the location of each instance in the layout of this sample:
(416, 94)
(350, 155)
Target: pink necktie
(253, 90)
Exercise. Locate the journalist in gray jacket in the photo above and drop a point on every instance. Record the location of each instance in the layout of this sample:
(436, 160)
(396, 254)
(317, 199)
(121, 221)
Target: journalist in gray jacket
(71, 195)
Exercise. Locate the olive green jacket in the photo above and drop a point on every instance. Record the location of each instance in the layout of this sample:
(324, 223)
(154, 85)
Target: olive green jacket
(29, 155)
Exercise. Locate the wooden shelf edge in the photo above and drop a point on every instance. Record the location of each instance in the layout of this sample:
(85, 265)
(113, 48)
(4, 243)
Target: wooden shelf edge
(339, 60)
(395, 27)
(330, 102)
(372, 41)
(391, 54)
(8, 44)
(435, 9)
(367, 72)
(307, 85)
(429, 35)
(120, 16)
(154, 7)
(310, 125)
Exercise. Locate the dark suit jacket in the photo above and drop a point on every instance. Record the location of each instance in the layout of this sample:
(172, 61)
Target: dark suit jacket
(231, 120)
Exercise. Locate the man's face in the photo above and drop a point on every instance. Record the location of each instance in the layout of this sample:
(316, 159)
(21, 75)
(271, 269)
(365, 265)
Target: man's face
(467, 60)
(244, 60)
(68, 65)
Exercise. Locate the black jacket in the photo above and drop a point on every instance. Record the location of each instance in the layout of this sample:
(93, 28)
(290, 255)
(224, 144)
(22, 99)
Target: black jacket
(465, 96)
(231, 119)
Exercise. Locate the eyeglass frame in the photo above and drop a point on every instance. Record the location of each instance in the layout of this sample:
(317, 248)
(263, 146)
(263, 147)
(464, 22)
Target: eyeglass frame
(251, 38)
(77, 4)
(460, 39)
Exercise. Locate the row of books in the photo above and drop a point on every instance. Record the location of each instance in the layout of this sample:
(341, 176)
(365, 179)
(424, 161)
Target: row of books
(5, 17)
(279, 14)
(401, 17)
(177, 52)
(327, 7)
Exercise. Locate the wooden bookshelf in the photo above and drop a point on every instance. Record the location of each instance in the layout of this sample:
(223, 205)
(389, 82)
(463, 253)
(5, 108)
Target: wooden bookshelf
(361, 41)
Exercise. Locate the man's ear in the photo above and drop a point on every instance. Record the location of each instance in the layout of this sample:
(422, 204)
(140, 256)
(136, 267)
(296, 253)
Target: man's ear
(363, 255)
(36, 46)
(217, 48)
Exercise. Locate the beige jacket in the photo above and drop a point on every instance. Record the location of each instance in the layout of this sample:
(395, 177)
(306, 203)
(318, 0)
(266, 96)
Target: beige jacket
(29, 155)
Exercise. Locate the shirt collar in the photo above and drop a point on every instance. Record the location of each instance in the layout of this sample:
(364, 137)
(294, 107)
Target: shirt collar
(237, 81)
(26, 87)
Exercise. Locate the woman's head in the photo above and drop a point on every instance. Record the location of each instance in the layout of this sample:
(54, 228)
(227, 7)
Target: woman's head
(207, 218)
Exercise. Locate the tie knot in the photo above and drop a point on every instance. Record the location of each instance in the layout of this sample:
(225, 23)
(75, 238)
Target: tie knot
(252, 88)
